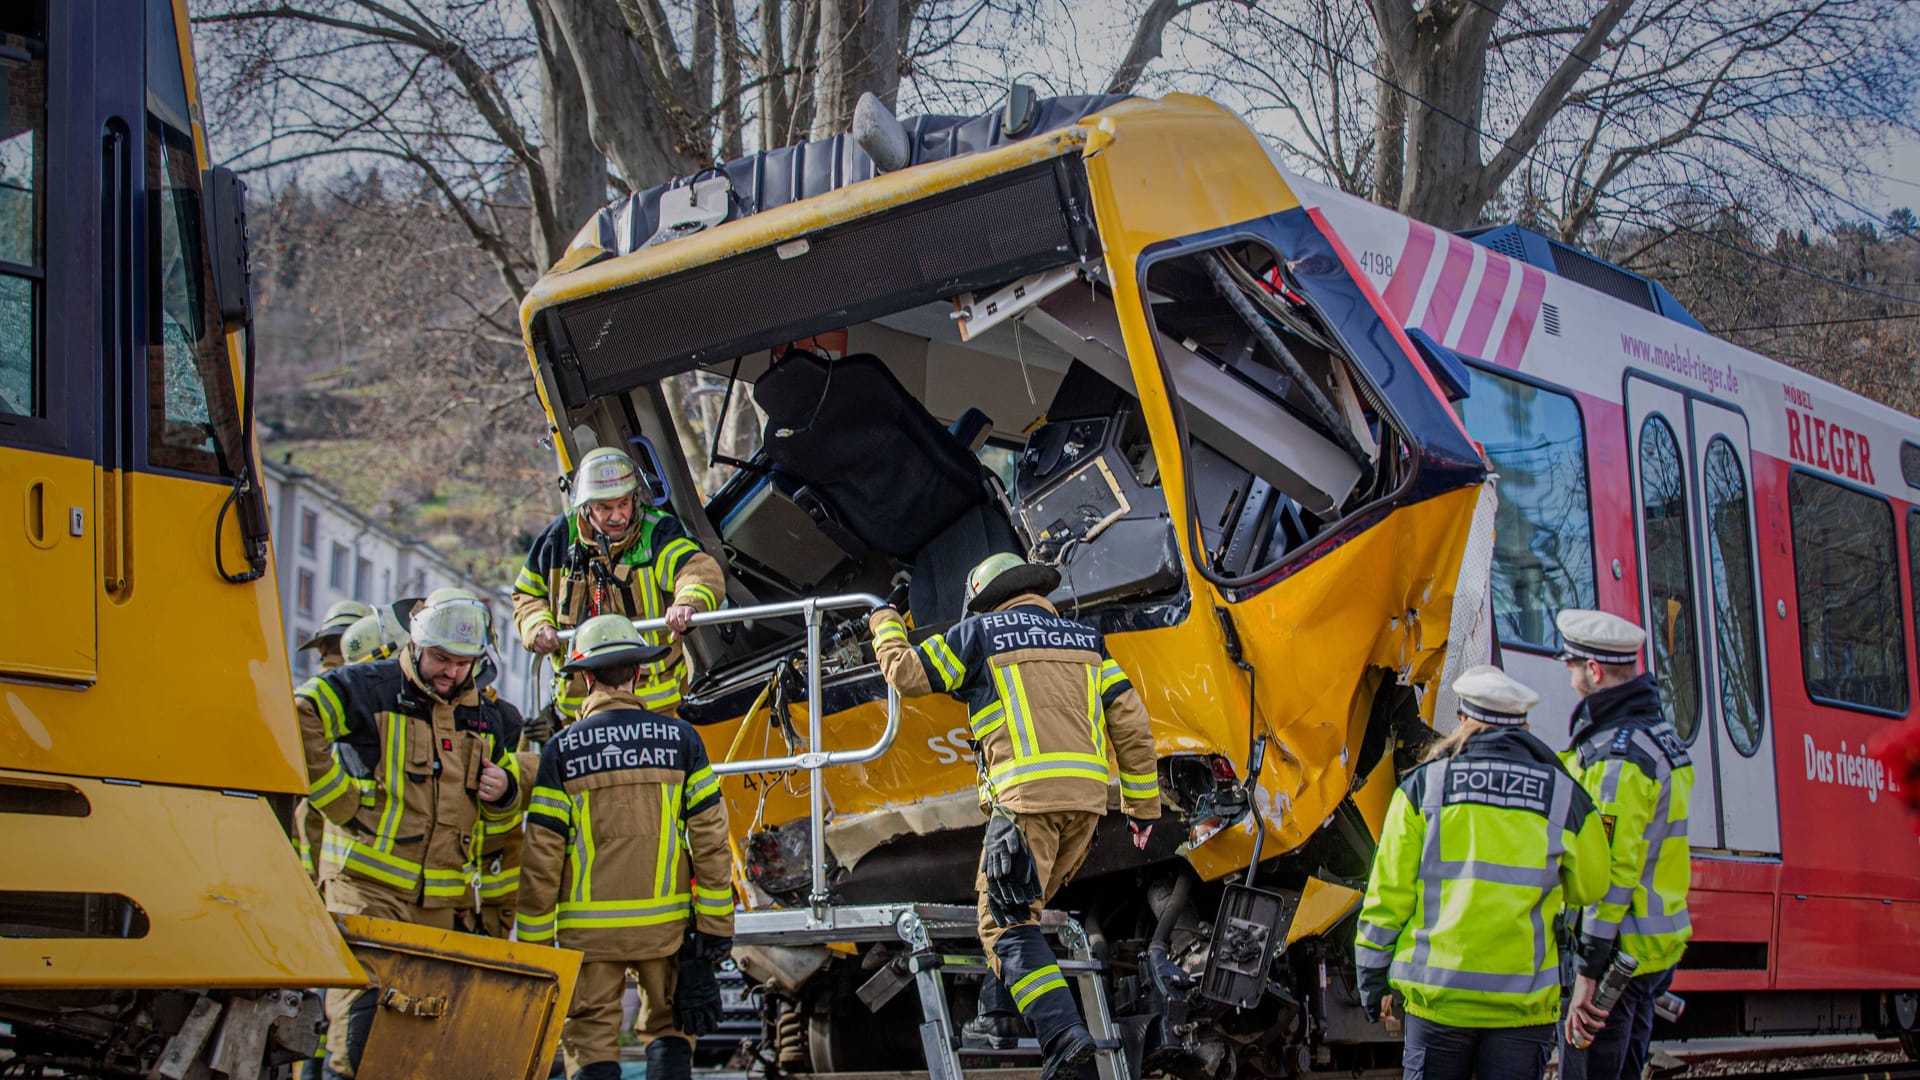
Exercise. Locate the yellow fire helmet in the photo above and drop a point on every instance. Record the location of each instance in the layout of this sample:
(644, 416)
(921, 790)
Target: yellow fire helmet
(604, 473)
(1000, 578)
(453, 620)
(339, 617)
(609, 641)
(375, 637)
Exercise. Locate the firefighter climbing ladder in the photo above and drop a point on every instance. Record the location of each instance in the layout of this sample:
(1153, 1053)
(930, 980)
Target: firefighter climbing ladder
(923, 928)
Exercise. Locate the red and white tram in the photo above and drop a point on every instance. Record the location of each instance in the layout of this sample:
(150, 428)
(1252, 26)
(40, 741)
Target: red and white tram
(1765, 527)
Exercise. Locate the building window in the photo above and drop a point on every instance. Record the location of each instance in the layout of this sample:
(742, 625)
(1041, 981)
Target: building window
(309, 531)
(1853, 644)
(1736, 618)
(1663, 515)
(1543, 530)
(303, 593)
(337, 568)
(362, 579)
(302, 658)
(23, 210)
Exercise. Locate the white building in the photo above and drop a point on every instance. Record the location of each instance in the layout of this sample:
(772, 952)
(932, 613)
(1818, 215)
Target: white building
(327, 551)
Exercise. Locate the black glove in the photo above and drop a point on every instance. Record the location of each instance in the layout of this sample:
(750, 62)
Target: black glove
(1013, 878)
(696, 1000)
(1373, 987)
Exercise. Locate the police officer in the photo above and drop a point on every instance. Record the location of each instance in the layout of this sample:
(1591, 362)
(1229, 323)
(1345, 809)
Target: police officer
(624, 805)
(613, 554)
(406, 761)
(309, 825)
(1481, 846)
(1629, 758)
(1044, 702)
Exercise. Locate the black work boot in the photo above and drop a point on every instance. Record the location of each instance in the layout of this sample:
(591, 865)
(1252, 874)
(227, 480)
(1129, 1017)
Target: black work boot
(990, 1031)
(669, 1059)
(1068, 1054)
(599, 1070)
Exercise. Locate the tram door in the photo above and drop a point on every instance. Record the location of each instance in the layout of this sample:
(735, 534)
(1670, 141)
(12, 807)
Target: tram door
(1700, 591)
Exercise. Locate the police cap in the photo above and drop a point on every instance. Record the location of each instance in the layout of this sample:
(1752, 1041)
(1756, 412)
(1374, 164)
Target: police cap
(1598, 636)
(1492, 696)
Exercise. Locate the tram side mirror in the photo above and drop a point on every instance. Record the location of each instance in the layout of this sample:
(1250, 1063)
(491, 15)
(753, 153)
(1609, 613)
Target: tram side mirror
(224, 195)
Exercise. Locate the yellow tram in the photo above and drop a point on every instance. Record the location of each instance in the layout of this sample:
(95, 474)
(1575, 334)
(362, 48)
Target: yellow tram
(152, 913)
(1105, 333)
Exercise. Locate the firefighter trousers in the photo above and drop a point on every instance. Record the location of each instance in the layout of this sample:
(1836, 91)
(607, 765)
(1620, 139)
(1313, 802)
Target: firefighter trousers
(592, 1031)
(350, 1012)
(1026, 976)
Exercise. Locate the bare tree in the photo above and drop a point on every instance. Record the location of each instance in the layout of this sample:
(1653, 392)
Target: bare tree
(1577, 117)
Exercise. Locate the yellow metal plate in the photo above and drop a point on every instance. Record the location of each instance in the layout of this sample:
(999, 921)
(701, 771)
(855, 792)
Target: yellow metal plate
(225, 898)
(459, 1005)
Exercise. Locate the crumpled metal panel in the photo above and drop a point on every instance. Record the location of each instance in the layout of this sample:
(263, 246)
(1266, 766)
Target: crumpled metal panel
(770, 178)
(460, 1005)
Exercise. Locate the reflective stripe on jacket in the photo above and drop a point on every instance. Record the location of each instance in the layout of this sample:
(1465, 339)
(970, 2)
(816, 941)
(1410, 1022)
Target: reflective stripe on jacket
(397, 771)
(626, 837)
(658, 563)
(1045, 703)
(1632, 762)
(1477, 856)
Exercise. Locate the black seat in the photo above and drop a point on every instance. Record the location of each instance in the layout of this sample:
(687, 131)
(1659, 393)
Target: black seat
(847, 429)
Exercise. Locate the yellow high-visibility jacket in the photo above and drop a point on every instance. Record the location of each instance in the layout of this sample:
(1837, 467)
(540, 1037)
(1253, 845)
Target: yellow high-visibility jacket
(1632, 762)
(1478, 855)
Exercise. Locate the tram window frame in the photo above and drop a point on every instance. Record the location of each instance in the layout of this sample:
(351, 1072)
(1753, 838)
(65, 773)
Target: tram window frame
(1484, 371)
(37, 423)
(1899, 651)
(1680, 437)
(1716, 575)
(1381, 482)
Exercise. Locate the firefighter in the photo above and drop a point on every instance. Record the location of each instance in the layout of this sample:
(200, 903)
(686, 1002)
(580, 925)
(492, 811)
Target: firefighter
(407, 761)
(375, 637)
(1634, 764)
(1044, 702)
(624, 805)
(1481, 847)
(309, 825)
(612, 553)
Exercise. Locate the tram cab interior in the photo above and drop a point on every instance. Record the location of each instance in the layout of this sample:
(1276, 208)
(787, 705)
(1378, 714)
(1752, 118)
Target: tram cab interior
(902, 450)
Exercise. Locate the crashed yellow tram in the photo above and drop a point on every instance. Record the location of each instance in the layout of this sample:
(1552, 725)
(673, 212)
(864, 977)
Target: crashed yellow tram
(1104, 333)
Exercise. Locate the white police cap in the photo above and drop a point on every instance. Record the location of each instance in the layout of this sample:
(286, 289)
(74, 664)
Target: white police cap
(1596, 635)
(1492, 696)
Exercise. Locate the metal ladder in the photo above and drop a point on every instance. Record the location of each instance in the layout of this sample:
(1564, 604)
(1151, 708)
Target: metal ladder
(922, 927)
(918, 926)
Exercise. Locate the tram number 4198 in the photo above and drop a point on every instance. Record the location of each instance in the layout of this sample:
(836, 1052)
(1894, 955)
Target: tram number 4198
(1377, 263)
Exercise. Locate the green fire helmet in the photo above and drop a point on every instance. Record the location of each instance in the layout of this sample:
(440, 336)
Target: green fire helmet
(454, 620)
(1000, 578)
(604, 473)
(375, 637)
(609, 641)
(339, 617)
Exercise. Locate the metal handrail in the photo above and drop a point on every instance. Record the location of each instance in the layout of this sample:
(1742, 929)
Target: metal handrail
(814, 759)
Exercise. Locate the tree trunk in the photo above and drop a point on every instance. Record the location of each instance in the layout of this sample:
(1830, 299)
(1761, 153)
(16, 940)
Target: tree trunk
(859, 52)
(576, 170)
(628, 111)
(1442, 178)
(1389, 137)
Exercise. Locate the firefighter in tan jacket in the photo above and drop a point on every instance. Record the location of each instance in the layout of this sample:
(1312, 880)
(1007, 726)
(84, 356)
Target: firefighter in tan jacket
(309, 825)
(626, 860)
(1046, 707)
(407, 761)
(613, 554)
